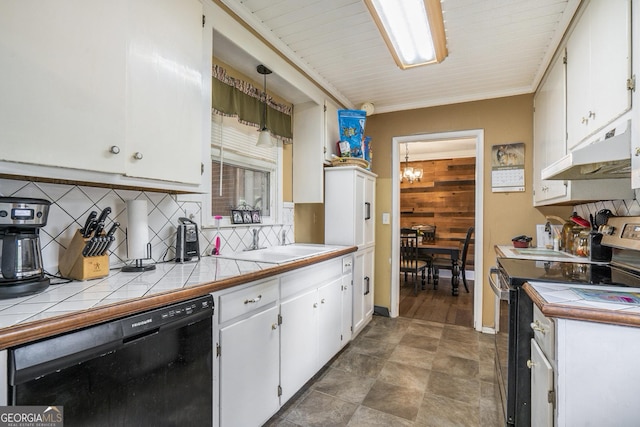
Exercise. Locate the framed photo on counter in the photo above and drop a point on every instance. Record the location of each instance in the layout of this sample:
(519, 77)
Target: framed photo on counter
(236, 217)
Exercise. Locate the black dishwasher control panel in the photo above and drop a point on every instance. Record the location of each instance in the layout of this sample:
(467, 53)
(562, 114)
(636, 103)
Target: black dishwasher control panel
(170, 316)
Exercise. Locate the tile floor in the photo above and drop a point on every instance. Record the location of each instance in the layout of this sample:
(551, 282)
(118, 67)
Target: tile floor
(402, 372)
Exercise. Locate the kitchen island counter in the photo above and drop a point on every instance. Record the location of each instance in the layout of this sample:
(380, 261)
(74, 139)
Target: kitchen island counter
(69, 306)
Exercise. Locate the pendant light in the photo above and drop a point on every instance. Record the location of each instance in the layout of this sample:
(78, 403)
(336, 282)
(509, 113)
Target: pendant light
(409, 173)
(264, 139)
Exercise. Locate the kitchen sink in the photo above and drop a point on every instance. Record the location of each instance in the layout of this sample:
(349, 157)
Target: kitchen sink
(279, 254)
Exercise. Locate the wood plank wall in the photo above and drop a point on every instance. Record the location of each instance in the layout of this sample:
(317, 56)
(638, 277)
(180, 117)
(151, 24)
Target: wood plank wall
(444, 197)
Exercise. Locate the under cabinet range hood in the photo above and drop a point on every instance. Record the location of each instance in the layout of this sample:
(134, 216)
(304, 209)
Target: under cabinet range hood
(606, 158)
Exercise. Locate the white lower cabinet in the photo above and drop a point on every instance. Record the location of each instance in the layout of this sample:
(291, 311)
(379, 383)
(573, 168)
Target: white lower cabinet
(362, 288)
(583, 373)
(541, 388)
(312, 321)
(299, 345)
(275, 335)
(249, 355)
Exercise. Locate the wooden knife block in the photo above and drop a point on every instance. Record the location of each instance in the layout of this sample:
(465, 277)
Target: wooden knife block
(75, 266)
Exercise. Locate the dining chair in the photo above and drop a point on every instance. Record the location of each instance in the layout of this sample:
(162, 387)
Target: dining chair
(445, 263)
(409, 260)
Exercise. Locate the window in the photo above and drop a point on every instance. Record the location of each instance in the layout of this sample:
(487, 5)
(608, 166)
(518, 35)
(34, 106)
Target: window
(240, 187)
(241, 173)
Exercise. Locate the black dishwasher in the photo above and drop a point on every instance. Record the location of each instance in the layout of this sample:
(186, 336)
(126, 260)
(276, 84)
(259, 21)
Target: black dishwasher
(149, 369)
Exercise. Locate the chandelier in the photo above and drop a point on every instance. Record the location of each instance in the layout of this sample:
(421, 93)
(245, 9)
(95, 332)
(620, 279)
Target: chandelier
(409, 173)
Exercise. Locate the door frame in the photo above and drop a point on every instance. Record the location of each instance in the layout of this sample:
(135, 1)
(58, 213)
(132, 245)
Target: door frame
(478, 134)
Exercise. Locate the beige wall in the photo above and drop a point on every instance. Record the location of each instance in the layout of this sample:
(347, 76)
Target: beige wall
(504, 120)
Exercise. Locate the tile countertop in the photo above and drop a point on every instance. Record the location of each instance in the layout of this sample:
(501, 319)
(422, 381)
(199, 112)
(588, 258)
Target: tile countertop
(602, 304)
(67, 306)
(538, 254)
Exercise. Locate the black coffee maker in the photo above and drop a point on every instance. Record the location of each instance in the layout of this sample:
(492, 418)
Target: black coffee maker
(20, 253)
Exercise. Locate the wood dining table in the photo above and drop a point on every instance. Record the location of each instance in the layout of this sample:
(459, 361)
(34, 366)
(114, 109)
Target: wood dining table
(444, 247)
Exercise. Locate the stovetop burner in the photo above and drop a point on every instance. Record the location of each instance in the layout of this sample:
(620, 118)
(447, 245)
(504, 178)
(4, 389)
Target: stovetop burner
(521, 270)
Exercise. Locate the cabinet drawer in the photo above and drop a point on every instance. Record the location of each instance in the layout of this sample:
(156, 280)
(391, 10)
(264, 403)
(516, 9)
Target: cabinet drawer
(247, 299)
(310, 277)
(544, 333)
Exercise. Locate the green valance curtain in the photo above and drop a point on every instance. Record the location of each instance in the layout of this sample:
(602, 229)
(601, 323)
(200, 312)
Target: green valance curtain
(234, 97)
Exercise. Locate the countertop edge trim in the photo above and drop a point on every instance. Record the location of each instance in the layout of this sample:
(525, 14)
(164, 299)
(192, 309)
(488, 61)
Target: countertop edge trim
(578, 313)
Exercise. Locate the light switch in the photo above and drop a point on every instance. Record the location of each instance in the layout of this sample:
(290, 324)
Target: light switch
(386, 218)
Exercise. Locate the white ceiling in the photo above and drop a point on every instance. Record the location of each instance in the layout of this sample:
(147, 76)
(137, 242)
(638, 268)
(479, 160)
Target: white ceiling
(496, 48)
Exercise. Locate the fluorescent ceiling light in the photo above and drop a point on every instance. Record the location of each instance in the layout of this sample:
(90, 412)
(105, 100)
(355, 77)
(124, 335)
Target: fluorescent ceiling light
(412, 29)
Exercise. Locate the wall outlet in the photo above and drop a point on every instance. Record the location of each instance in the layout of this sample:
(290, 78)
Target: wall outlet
(386, 218)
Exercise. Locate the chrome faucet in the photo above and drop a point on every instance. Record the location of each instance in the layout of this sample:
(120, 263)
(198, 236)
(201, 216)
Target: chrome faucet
(255, 244)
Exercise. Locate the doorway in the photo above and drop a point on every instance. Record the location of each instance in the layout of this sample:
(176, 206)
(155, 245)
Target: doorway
(397, 156)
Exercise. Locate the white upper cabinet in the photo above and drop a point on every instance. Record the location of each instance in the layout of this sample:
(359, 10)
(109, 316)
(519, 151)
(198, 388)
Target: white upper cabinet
(308, 152)
(63, 83)
(164, 90)
(315, 134)
(549, 132)
(331, 131)
(598, 68)
(111, 87)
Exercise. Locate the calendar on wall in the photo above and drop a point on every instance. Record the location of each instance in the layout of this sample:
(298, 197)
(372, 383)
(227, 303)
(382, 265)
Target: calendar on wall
(507, 167)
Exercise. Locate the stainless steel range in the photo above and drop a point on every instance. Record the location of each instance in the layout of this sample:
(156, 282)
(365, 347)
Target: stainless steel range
(513, 348)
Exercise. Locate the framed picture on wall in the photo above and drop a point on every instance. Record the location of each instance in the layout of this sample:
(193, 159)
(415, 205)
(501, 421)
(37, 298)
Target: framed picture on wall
(236, 217)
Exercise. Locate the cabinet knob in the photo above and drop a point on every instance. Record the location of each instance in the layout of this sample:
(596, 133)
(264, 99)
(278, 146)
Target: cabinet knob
(536, 326)
(530, 364)
(114, 149)
(315, 305)
(137, 155)
(592, 114)
(322, 301)
(253, 300)
(274, 326)
(637, 151)
(584, 120)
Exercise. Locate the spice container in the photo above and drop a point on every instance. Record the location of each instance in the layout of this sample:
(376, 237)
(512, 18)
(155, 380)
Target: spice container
(581, 244)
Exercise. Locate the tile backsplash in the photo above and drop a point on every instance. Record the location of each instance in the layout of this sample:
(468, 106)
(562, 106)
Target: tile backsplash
(71, 204)
(629, 207)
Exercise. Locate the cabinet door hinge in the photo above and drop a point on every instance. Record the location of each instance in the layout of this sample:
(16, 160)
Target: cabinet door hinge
(564, 59)
(341, 338)
(279, 319)
(551, 397)
(631, 83)
(204, 19)
(218, 350)
(279, 390)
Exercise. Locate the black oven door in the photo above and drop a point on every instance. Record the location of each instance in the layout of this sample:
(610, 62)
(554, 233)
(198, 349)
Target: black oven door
(513, 348)
(501, 338)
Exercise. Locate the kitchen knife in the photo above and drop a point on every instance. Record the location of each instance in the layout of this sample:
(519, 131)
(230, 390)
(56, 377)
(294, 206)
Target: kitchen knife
(90, 218)
(88, 247)
(106, 248)
(113, 228)
(107, 239)
(101, 219)
(90, 228)
(100, 241)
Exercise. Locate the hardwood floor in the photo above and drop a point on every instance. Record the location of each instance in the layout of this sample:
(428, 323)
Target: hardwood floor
(437, 305)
